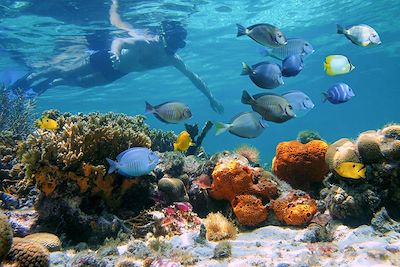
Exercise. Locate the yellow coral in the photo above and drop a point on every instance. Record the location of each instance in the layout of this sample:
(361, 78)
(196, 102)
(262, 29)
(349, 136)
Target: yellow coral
(219, 228)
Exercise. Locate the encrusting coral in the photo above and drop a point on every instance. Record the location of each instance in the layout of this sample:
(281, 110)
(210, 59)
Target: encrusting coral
(48, 240)
(27, 254)
(6, 236)
(301, 164)
(218, 227)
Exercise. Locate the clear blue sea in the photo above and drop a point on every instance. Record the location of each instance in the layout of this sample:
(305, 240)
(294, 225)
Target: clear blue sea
(35, 33)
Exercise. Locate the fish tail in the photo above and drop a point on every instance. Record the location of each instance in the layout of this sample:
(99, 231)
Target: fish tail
(241, 30)
(324, 97)
(340, 29)
(175, 147)
(246, 69)
(221, 128)
(39, 123)
(149, 108)
(247, 99)
(113, 165)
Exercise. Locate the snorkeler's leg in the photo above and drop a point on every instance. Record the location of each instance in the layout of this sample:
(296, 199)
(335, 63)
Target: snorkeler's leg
(195, 79)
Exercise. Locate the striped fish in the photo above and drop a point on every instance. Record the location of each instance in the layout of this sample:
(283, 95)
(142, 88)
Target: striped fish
(164, 263)
(294, 46)
(338, 93)
(169, 112)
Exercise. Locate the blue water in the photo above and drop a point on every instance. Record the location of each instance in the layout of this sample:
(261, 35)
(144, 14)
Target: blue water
(34, 33)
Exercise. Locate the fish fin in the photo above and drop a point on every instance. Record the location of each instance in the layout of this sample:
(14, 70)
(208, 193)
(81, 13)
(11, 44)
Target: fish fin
(221, 128)
(113, 165)
(241, 30)
(365, 43)
(247, 98)
(340, 29)
(324, 97)
(175, 147)
(246, 69)
(149, 108)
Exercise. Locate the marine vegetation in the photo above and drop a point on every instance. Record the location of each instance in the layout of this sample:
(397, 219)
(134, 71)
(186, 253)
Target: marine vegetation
(354, 199)
(218, 227)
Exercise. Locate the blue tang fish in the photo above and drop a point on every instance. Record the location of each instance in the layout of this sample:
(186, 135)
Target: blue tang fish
(338, 93)
(300, 102)
(264, 74)
(294, 46)
(292, 65)
(134, 161)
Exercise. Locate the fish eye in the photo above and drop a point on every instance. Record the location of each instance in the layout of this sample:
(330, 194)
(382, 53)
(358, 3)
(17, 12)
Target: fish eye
(307, 98)
(290, 106)
(47, 120)
(306, 44)
(354, 165)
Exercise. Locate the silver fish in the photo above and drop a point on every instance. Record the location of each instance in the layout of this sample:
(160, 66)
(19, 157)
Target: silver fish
(294, 46)
(169, 112)
(271, 107)
(362, 35)
(245, 124)
(264, 34)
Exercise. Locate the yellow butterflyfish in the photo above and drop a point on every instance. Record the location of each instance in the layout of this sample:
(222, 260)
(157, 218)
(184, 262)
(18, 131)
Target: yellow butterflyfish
(183, 142)
(337, 64)
(351, 170)
(48, 124)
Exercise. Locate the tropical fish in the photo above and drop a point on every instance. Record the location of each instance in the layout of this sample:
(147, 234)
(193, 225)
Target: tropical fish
(300, 102)
(48, 124)
(294, 46)
(362, 35)
(183, 142)
(292, 65)
(338, 93)
(351, 170)
(271, 107)
(170, 112)
(337, 64)
(264, 74)
(265, 34)
(245, 124)
(134, 161)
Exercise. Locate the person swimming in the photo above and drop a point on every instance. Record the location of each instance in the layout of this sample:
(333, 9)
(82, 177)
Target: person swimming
(141, 51)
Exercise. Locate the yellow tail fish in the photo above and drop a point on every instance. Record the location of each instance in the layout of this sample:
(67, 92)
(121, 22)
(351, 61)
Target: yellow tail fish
(351, 170)
(183, 142)
(337, 64)
(48, 124)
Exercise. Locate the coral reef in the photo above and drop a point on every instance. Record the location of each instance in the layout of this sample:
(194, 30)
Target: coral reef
(197, 138)
(249, 152)
(6, 236)
(301, 164)
(307, 136)
(173, 189)
(48, 240)
(218, 227)
(27, 254)
(294, 208)
(127, 262)
(222, 250)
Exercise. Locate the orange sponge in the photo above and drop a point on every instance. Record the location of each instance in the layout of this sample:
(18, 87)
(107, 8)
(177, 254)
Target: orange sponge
(249, 210)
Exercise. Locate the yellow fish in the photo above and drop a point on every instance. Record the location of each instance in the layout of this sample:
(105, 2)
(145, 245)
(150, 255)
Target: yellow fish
(48, 124)
(337, 64)
(183, 142)
(351, 170)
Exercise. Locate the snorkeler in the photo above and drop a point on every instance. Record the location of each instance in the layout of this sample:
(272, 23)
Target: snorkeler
(140, 52)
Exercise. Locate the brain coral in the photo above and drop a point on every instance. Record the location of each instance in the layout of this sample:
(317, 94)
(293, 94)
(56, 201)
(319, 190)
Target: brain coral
(28, 254)
(301, 164)
(296, 208)
(6, 236)
(48, 240)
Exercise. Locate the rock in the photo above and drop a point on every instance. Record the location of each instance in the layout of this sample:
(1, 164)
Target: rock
(383, 223)
(174, 189)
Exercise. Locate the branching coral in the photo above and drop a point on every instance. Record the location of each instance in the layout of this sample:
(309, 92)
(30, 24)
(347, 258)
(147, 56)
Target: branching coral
(301, 164)
(295, 208)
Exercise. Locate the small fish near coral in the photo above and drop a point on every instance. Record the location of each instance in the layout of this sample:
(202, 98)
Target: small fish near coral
(352, 170)
(47, 123)
(245, 125)
(362, 35)
(338, 93)
(337, 64)
(183, 142)
(134, 162)
(169, 112)
(264, 34)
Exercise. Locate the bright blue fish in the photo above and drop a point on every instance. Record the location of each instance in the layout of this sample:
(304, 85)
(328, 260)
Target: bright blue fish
(300, 102)
(292, 65)
(134, 161)
(338, 93)
(264, 74)
(294, 46)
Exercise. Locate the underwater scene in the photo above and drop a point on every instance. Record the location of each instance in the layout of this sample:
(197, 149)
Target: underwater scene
(199, 133)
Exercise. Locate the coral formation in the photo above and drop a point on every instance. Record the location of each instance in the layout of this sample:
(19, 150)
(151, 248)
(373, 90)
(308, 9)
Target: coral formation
(301, 164)
(249, 210)
(218, 227)
(249, 152)
(307, 136)
(27, 254)
(295, 208)
(173, 189)
(6, 236)
(127, 262)
(48, 240)
(222, 250)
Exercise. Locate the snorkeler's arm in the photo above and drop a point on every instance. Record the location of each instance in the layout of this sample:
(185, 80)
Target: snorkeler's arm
(195, 79)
